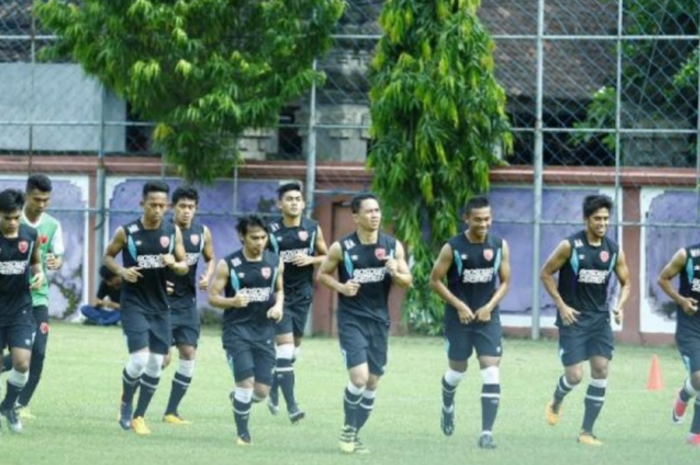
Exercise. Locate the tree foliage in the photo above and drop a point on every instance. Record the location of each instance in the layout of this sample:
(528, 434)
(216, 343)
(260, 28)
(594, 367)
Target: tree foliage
(204, 70)
(438, 116)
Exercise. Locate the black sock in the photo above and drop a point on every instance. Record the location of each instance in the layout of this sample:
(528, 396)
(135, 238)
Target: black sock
(684, 395)
(11, 396)
(351, 403)
(241, 414)
(285, 379)
(561, 390)
(490, 400)
(448, 393)
(129, 387)
(177, 392)
(595, 398)
(274, 389)
(695, 426)
(363, 412)
(148, 388)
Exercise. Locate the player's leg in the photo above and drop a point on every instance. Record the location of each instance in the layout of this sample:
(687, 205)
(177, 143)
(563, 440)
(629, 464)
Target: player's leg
(135, 329)
(240, 361)
(488, 338)
(572, 353)
(690, 353)
(284, 373)
(694, 434)
(299, 316)
(600, 351)
(283, 367)
(186, 339)
(19, 339)
(41, 339)
(459, 346)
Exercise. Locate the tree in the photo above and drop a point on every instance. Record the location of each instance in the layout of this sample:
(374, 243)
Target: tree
(204, 70)
(438, 116)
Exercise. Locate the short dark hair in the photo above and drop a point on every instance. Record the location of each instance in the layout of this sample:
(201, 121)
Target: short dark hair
(185, 192)
(479, 201)
(39, 182)
(248, 221)
(290, 186)
(106, 273)
(356, 202)
(11, 200)
(595, 202)
(155, 186)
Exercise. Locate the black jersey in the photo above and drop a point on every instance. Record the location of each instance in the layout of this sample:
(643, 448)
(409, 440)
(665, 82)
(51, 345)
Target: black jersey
(289, 242)
(15, 273)
(185, 286)
(365, 264)
(584, 279)
(473, 274)
(257, 280)
(145, 249)
(690, 287)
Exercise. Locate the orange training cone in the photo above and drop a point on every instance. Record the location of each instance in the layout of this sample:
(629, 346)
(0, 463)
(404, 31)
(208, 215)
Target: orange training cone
(655, 382)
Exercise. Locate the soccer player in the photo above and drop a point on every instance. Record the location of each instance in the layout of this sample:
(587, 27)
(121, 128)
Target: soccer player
(368, 261)
(19, 255)
(149, 247)
(251, 281)
(184, 317)
(585, 262)
(686, 262)
(50, 244)
(472, 262)
(300, 245)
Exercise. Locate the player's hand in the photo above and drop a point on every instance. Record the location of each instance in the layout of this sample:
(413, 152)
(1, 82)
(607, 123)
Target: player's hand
(568, 315)
(275, 313)
(350, 288)
(168, 260)
(98, 303)
(52, 262)
(618, 315)
(483, 315)
(689, 305)
(169, 287)
(204, 282)
(240, 300)
(132, 274)
(302, 260)
(37, 281)
(391, 265)
(465, 314)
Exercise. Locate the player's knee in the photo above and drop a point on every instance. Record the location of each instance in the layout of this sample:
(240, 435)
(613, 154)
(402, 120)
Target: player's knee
(574, 378)
(21, 366)
(137, 364)
(260, 392)
(599, 372)
(359, 380)
(491, 375)
(285, 351)
(154, 365)
(188, 353)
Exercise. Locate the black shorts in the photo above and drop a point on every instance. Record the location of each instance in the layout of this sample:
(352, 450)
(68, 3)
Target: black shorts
(689, 348)
(18, 333)
(251, 358)
(294, 319)
(146, 330)
(461, 340)
(363, 340)
(591, 336)
(185, 326)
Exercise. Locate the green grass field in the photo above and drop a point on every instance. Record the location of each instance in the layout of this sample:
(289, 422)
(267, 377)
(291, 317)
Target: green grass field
(76, 406)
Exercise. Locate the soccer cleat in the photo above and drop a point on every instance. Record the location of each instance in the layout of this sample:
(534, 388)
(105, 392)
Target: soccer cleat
(348, 436)
(486, 441)
(175, 419)
(24, 413)
(552, 413)
(360, 448)
(678, 411)
(693, 439)
(13, 421)
(125, 413)
(295, 414)
(139, 426)
(447, 421)
(244, 440)
(588, 439)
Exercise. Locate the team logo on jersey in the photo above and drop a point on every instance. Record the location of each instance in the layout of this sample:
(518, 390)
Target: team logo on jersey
(303, 235)
(44, 238)
(695, 253)
(488, 254)
(164, 241)
(380, 253)
(578, 243)
(464, 256)
(133, 228)
(604, 256)
(354, 258)
(23, 246)
(236, 262)
(194, 239)
(241, 275)
(266, 272)
(138, 243)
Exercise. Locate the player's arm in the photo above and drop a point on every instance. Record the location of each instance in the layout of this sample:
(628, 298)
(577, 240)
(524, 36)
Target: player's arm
(208, 256)
(440, 268)
(276, 311)
(54, 259)
(554, 263)
(36, 268)
(623, 276)
(503, 284)
(398, 268)
(221, 275)
(670, 271)
(116, 245)
(177, 261)
(326, 273)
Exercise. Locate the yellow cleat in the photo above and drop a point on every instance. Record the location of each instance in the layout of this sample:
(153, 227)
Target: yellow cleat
(552, 414)
(244, 441)
(138, 424)
(588, 439)
(175, 419)
(348, 439)
(25, 414)
(360, 448)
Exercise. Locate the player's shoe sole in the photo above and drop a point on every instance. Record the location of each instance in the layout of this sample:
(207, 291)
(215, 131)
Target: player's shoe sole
(360, 448)
(244, 441)
(588, 439)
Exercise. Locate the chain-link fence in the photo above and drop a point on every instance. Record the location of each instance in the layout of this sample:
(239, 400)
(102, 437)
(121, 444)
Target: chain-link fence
(602, 96)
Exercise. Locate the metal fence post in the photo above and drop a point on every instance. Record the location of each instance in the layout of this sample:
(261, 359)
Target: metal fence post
(311, 155)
